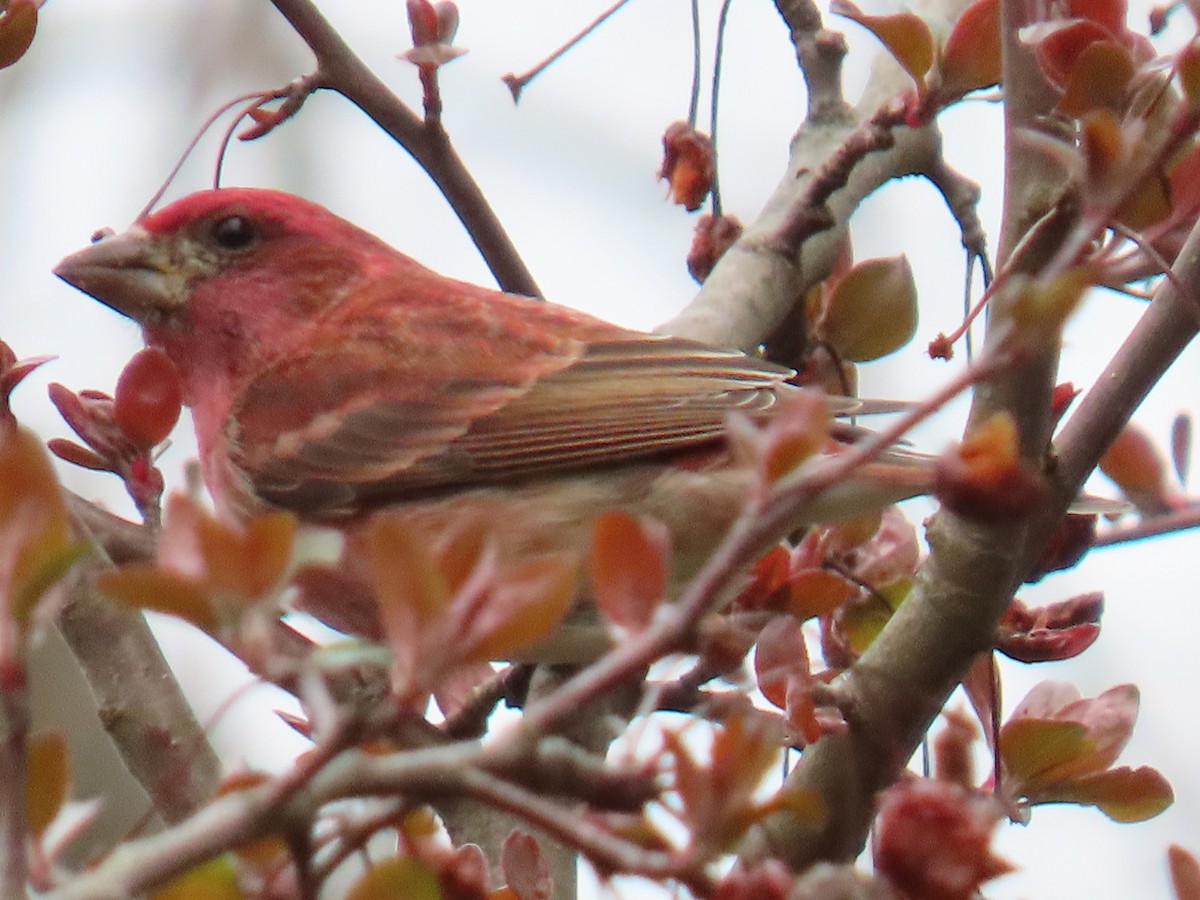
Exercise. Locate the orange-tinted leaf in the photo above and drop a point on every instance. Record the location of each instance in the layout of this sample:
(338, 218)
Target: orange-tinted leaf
(872, 311)
(905, 35)
(797, 428)
(144, 586)
(629, 563)
(213, 880)
(526, 606)
(1123, 794)
(267, 550)
(816, 592)
(406, 575)
(17, 27)
(1033, 748)
(1138, 469)
(398, 878)
(35, 541)
(1098, 79)
(971, 58)
(1185, 873)
(47, 776)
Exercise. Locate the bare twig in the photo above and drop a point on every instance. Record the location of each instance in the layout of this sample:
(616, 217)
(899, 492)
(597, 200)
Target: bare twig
(341, 70)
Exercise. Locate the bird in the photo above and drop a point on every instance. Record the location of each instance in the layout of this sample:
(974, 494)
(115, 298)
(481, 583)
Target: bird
(330, 375)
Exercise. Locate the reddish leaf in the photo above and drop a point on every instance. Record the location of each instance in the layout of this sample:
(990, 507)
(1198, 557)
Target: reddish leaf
(971, 58)
(1059, 631)
(905, 35)
(629, 563)
(1099, 79)
(1066, 545)
(780, 655)
(47, 777)
(1060, 44)
(872, 311)
(1185, 873)
(18, 25)
(818, 592)
(525, 868)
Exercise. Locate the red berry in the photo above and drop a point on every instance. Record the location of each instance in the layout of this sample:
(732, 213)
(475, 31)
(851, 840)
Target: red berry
(148, 398)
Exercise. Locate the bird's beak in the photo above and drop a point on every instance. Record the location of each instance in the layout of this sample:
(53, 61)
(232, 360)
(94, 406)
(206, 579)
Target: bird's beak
(130, 272)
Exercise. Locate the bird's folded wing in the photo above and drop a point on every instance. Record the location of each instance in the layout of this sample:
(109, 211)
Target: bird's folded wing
(362, 429)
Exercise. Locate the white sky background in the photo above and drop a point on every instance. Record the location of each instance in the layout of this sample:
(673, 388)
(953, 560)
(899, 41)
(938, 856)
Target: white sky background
(93, 118)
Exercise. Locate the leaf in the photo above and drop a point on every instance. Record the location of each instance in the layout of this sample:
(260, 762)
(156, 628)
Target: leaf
(872, 310)
(1187, 68)
(1123, 794)
(17, 28)
(905, 35)
(525, 868)
(47, 777)
(629, 562)
(817, 592)
(1185, 873)
(35, 540)
(1098, 79)
(1032, 749)
(145, 586)
(1059, 45)
(215, 879)
(405, 574)
(971, 58)
(779, 656)
(397, 878)
(1135, 465)
(526, 606)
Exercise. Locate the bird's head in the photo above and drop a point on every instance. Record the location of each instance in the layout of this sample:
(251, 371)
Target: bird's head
(274, 252)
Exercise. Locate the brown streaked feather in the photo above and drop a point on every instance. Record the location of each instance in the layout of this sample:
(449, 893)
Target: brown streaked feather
(369, 431)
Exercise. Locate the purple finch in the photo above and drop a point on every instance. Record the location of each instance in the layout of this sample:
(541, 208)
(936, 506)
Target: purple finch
(331, 375)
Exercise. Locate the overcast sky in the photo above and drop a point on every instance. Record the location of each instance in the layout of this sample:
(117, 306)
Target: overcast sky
(92, 120)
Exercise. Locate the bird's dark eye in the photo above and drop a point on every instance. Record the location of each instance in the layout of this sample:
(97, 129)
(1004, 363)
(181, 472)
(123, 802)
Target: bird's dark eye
(234, 232)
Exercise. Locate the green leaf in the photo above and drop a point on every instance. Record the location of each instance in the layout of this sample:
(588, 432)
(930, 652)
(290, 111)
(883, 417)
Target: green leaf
(872, 311)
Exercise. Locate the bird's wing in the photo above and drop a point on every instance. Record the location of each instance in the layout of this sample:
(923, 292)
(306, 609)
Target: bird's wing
(476, 398)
